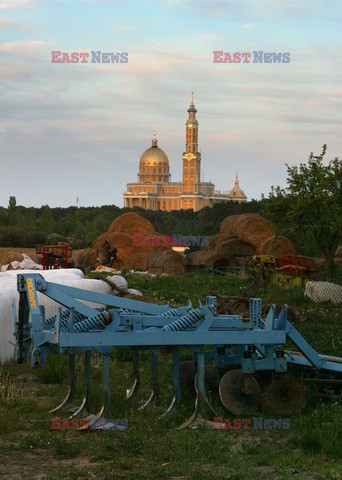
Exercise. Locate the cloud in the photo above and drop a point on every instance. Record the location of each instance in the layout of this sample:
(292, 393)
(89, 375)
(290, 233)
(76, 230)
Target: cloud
(248, 26)
(209, 36)
(26, 47)
(15, 4)
(7, 24)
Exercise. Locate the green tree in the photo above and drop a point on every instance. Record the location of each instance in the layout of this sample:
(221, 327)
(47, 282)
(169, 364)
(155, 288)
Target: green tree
(312, 203)
(12, 211)
(47, 222)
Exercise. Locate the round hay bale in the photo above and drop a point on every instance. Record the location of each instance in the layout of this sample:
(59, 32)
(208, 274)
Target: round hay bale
(121, 246)
(228, 224)
(153, 264)
(277, 246)
(235, 247)
(215, 260)
(87, 258)
(99, 241)
(10, 257)
(137, 261)
(131, 223)
(103, 256)
(253, 230)
(223, 238)
(169, 262)
(152, 243)
(196, 258)
(213, 239)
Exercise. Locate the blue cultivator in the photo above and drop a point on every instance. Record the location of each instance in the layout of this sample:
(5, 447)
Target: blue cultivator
(251, 363)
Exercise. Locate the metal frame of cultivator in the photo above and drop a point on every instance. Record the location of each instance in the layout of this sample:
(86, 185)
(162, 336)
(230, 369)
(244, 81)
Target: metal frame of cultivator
(252, 345)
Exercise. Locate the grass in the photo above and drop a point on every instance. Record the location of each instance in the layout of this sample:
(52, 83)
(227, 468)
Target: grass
(152, 448)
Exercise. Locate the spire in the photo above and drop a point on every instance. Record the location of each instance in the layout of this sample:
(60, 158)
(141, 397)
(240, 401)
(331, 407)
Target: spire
(192, 105)
(154, 140)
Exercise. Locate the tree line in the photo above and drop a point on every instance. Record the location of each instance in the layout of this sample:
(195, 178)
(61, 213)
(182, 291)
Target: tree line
(308, 211)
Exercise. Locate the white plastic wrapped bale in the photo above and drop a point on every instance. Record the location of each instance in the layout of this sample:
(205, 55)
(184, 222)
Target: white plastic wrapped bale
(323, 291)
(9, 296)
(120, 282)
(46, 273)
(133, 291)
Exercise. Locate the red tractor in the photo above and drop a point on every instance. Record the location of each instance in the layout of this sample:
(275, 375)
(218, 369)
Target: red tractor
(55, 256)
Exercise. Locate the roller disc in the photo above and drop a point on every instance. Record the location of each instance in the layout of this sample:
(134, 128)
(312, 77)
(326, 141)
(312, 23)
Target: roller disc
(284, 395)
(239, 392)
(187, 375)
(211, 378)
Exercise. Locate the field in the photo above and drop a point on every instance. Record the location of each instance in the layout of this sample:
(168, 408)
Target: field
(152, 448)
(31, 252)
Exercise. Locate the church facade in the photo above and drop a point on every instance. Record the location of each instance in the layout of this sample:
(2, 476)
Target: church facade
(154, 189)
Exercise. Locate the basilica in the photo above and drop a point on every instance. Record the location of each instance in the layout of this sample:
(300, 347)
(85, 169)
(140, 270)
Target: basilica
(154, 189)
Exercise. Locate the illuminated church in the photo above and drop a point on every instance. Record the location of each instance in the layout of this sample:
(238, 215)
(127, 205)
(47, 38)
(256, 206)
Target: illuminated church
(154, 189)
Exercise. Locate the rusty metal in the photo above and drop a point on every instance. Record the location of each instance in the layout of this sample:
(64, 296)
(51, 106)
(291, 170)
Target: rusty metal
(284, 395)
(239, 392)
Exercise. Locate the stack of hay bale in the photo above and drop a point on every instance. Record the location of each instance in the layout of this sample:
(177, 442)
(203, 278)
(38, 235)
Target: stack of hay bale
(118, 244)
(241, 235)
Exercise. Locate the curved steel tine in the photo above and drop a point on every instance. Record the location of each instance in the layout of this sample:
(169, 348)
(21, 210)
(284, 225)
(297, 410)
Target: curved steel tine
(93, 420)
(134, 388)
(154, 382)
(196, 418)
(64, 402)
(195, 421)
(106, 393)
(84, 403)
(136, 382)
(188, 422)
(148, 401)
(72, 386)
(176, 386)
(171, 407)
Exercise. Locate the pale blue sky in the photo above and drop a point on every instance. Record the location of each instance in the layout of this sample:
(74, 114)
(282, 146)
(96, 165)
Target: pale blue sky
(78, 130)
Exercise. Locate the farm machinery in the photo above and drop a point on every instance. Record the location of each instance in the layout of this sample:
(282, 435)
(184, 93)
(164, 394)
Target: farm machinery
(287, 271)
(55, 256)
(247, 357)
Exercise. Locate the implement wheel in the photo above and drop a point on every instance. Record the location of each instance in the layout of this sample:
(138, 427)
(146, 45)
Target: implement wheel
(239, 392)
(284, 395)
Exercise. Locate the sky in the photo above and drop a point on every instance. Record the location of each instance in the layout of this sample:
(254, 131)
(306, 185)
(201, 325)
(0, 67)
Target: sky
(74, 132)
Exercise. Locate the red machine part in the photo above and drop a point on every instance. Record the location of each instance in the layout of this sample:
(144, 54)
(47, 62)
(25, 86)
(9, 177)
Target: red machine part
(295, 265)
(52, 253)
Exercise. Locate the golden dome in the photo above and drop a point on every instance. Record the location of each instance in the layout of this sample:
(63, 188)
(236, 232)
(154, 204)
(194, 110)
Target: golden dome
(154, 156)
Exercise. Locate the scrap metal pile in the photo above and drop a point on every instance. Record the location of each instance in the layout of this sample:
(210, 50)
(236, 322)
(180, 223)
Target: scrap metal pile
(247, 356)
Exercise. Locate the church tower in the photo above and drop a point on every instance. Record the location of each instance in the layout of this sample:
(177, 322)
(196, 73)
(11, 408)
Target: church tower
(191, 157)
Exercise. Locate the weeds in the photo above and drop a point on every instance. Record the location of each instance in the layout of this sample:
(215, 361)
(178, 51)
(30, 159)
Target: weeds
(10, 394)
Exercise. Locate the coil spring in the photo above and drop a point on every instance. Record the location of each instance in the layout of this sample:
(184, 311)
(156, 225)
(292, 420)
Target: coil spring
(129, 311)
(93, 323)
(185, 322)
(50, 321)
(171, 313)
